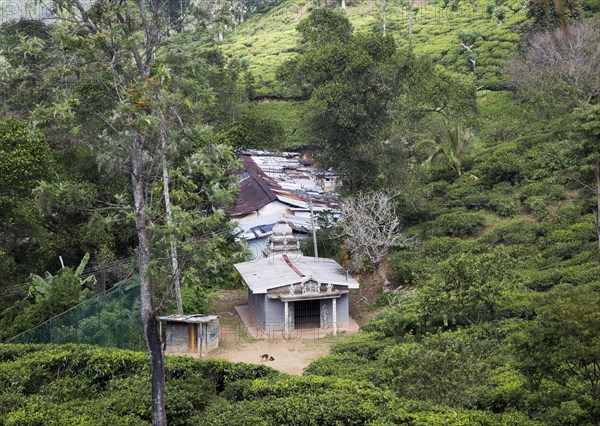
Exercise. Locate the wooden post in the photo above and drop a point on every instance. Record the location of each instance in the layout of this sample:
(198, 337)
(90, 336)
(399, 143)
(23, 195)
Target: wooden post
(199, 338)
(160, 336)
(334, 317)
(286, 320)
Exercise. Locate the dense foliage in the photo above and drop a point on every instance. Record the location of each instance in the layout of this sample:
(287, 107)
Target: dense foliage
(81, 385)
(484, 134)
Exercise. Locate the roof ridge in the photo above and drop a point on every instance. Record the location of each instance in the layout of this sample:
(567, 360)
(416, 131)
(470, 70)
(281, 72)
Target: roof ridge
(291, 265)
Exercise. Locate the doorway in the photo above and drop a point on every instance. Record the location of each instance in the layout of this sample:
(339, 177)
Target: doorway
(307, 314)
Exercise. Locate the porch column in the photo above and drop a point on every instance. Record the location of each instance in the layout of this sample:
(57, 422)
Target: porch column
(286, 319)
(334, 317)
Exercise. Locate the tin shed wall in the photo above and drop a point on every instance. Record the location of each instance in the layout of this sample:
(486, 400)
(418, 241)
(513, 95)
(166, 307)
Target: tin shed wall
(212, 335)
(177, 337)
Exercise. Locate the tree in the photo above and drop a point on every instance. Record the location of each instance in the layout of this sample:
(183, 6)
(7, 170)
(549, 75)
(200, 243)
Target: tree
(371, 229)
(548, 14)
(559, 68)
(450, 144)
(562, 344)
(253, 131)
(24, 161)
(500, 13)
(129, 49)
(468, 289)
(588, 127)
(324, 26)
(351, 82)
(383, 9)
(47, 296)
(467, 41)
(24, 59)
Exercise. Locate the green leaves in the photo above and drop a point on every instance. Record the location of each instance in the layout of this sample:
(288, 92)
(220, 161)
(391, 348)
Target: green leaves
(324, 26)
(24, 158)
(562, 344)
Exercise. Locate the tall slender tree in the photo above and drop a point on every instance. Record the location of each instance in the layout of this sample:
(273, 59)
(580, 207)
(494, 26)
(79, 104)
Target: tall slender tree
(126, 35)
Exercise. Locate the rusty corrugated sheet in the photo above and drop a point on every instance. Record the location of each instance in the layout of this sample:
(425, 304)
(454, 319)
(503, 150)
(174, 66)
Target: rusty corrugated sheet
(256, 188)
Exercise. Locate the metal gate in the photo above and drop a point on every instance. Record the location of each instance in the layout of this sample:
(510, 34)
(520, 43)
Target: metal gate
(307, 314)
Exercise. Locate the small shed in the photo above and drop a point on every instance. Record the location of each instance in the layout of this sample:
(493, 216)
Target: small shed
(293, 292)
(190, 333)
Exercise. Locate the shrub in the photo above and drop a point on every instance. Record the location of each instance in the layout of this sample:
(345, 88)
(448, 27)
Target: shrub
(405, 268)
(503, 163)
(457, 224)
(351, 366)
(364, 345)
(440, 248)
(539, 195)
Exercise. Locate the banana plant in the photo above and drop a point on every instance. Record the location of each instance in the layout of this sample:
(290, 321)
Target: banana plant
(42, 285)
(450, 146)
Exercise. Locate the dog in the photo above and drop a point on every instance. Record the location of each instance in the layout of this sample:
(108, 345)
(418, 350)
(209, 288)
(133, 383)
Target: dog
(271, 358)
(264, 357)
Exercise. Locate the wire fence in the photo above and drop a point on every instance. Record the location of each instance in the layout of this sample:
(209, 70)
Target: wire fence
(110, 319)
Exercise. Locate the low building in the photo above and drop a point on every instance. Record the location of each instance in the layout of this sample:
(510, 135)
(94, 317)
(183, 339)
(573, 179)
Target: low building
(294, 292)
(190, 334)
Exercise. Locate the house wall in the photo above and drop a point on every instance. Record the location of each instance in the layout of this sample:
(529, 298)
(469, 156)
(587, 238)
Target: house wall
(272, 208)
(270, 312)
(342, 310)
(275, 319)
(257, 303)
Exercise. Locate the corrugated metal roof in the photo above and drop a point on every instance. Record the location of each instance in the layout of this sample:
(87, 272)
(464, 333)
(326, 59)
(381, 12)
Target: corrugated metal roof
(197, 318)
(267, 177)
(265, 274)
(255, 188)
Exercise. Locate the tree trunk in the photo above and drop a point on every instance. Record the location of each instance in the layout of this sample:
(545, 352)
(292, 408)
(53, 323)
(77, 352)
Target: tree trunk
(410, 25)
(138, 182)
(242, 5)
(343, 4)
(166, 194)
(598, 201)
(215, 15)
(384, 6)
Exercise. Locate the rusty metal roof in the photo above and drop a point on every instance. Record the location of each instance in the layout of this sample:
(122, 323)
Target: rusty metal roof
(256, 188)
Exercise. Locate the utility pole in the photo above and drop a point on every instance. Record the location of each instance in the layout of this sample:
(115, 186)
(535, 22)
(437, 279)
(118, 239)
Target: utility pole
(314, 231)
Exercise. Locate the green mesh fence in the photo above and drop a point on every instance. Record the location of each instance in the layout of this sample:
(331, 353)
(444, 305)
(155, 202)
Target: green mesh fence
(109, 319)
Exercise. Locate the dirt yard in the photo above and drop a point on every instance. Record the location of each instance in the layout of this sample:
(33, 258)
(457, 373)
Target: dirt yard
(291, 355)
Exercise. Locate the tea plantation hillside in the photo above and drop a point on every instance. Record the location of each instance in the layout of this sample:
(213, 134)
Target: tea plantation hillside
(85, 385)
(451, 33)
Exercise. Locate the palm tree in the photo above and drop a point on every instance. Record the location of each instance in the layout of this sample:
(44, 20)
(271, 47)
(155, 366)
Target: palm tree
(450, 146)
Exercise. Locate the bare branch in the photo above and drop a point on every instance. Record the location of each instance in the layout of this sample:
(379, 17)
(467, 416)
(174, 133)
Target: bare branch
(371, 228)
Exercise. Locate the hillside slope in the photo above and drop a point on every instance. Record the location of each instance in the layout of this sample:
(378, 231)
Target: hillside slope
(268, 37)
